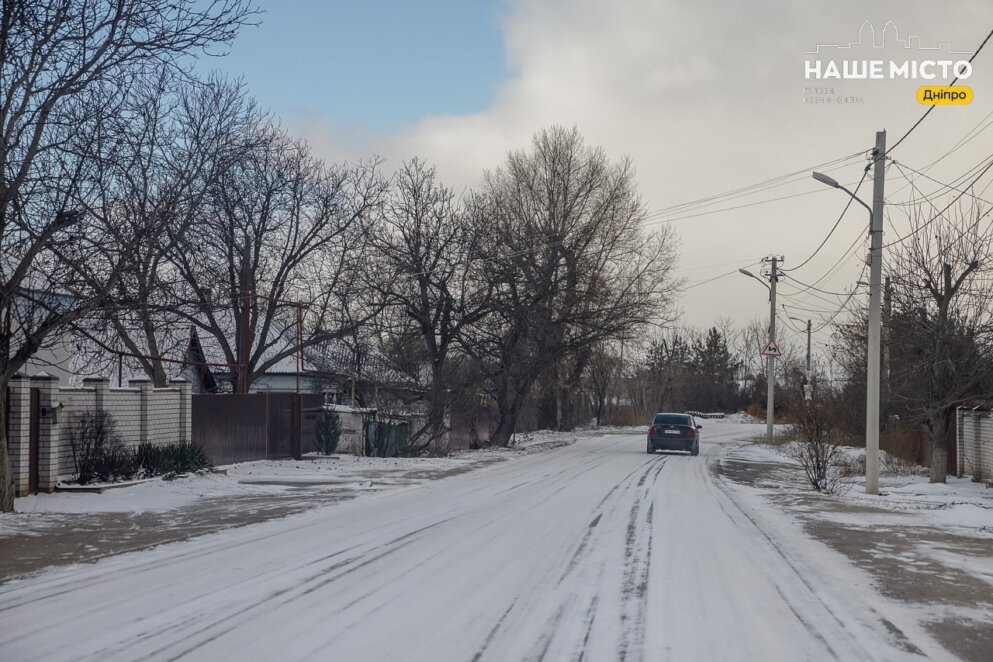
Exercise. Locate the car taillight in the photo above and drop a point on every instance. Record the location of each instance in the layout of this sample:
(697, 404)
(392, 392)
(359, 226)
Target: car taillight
(654, 430)
(692, 432)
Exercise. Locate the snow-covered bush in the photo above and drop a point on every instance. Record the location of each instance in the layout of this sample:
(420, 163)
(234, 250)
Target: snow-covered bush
(817, 448)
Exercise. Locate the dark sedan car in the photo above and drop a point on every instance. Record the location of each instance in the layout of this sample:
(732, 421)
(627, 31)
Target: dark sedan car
(674, 432)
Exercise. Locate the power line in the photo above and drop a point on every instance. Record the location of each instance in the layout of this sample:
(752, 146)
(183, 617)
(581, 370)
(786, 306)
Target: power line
(723, 275)
(900, 167)
(752, 188)
(816, 289)
(946, 208)
(928, 111)
(834, 227)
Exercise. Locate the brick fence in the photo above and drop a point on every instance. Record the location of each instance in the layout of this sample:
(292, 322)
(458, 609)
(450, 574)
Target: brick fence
(40, 410)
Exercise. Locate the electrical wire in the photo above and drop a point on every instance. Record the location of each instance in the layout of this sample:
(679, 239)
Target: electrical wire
(752, 188)
(928, 111)
(946, 208)
(944, 186)
(834, 227)
(724, 275)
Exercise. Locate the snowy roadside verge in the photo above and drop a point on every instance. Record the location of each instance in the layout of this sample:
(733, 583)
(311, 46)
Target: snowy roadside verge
(344, 475)
(924, 548)
(961, 504)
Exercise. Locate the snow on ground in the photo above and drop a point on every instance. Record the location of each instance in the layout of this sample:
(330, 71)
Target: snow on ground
(590, 551)
(960, 504)
(256, 478)
(275, 476)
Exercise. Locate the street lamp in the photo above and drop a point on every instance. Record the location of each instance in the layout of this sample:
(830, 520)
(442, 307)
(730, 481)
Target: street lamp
(875, 278)
(770, 362)
(830, 181)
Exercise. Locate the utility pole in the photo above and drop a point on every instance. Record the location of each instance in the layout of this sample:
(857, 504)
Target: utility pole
(771, 360)
(808, 388)
(875, 281)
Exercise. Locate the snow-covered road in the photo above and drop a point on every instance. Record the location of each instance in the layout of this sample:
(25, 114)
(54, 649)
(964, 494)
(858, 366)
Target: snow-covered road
(595, 551)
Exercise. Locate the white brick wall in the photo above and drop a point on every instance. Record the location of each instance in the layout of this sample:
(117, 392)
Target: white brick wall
(164, 416)
(123, 405)
(167, 421)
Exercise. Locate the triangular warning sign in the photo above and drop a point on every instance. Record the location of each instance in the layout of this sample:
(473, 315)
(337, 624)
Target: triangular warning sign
(771, 349)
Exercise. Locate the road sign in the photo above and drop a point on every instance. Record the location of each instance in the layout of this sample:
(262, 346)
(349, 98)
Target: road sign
(771, 349)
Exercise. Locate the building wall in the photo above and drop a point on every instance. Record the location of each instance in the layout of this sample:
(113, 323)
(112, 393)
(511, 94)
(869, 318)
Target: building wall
(975, 444)
(352, 439)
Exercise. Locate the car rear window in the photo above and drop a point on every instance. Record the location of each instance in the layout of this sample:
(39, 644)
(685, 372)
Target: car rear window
(671, 419)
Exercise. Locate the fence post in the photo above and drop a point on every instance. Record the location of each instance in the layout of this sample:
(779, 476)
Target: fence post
(48, 431)
(144, 386)
(18, 431)
(185, 406)
(100, 386)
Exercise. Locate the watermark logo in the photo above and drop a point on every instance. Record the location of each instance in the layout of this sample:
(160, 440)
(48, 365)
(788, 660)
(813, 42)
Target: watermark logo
(886, 55)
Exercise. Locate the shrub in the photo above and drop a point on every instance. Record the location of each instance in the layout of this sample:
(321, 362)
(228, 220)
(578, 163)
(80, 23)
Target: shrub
(327, 433)
(182, 457)
(97, 452)
(817, 448)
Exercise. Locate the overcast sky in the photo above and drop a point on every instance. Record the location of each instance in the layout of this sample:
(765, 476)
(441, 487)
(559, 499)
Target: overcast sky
(705, 96)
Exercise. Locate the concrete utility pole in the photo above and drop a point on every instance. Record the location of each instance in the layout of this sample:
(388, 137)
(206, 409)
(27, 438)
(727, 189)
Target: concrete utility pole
(875, 278)
(770, 357)
(875, 282)
(809, 386)
(771, 360)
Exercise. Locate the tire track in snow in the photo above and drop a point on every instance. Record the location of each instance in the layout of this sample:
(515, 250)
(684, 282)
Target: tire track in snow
(551, 637)
(309, 585)
(548, 485)
(590, 617)
(638, 552)
(718, 486)
(496, 627)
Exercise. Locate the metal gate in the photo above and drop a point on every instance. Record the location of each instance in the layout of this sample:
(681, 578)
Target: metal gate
(242, 427)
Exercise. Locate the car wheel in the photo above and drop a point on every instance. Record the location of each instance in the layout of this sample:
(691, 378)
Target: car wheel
(695, 450)
(649, 449)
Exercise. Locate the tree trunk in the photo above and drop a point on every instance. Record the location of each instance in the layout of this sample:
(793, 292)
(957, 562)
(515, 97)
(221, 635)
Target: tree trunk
(6, 474)
(440, 439)
(510, 401)
(568, 393)
(548, 406)
(938, 431)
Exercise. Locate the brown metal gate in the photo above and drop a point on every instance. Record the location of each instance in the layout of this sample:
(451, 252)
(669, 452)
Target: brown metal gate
(230, 427)
(243, 427)
(283, 431)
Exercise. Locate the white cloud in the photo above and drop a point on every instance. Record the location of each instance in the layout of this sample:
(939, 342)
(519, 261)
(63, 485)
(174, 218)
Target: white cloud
(705, 97)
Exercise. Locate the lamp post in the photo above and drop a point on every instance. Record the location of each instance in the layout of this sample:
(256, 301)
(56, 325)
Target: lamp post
(770, 374)
(875, 282)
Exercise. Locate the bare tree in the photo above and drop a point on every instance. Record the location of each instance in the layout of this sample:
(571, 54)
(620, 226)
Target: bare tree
(602, 370)
(569, 263)
(427, 242)
(66, 66)
(283, 235)
(942, 320)
(177, 141)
